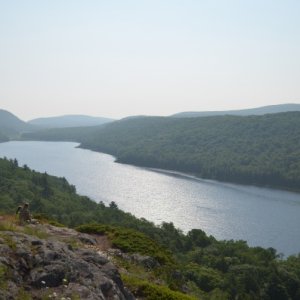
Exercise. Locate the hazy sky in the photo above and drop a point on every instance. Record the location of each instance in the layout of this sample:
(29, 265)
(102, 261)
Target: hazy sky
(116, 58)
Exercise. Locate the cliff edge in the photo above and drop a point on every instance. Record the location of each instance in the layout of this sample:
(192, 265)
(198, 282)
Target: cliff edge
(44, 261)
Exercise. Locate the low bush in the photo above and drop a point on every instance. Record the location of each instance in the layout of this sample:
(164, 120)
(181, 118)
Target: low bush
(149, 291)
(130, 241)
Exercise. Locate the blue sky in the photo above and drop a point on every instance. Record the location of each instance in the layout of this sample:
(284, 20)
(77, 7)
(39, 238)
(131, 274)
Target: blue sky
(120, 58)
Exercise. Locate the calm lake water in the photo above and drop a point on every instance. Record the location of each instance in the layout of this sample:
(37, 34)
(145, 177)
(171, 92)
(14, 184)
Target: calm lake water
(262, 217)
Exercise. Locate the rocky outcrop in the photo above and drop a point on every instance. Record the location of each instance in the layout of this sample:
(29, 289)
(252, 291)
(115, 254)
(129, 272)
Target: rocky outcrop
(145, 261)
(57, 266)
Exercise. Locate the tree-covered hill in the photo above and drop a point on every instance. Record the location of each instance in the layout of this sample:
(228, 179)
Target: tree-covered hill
(191, 263)
(261, 150)
(69, 121)
(270, 109)
(12, 126)
(69, 134)
(3, 137)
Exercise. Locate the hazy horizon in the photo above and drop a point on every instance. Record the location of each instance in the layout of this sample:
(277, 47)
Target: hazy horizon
(95, 116)
(121, 58)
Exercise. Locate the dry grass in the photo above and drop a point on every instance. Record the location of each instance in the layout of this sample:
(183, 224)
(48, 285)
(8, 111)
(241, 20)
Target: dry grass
(9, 223)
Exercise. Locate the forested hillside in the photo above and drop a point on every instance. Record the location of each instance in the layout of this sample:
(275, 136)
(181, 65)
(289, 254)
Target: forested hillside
(270, 109)
(11, 126)
(3, 137)
(192, 263)
(261, 150)
(70, 134)
(69, 121)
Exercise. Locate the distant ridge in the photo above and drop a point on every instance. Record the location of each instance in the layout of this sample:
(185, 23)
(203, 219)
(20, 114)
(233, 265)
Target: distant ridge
(11, 126)
(69, 121)
(270, 109)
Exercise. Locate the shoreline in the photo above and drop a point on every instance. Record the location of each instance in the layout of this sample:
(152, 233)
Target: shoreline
(193, 176)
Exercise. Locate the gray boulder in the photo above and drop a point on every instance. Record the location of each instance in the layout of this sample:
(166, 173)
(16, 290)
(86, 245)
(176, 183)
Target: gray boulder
(49, 267)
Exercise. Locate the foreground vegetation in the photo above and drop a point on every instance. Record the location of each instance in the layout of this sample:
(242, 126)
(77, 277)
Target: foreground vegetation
(193, 263)
(261, 150)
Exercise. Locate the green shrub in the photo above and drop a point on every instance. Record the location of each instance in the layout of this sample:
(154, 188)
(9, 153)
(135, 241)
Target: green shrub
(130, 241)
(94, 228)
(207, 279)
(150, 291)
(43, 218)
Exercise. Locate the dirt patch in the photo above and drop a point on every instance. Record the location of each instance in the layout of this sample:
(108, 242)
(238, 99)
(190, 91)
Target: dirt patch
(103, 243)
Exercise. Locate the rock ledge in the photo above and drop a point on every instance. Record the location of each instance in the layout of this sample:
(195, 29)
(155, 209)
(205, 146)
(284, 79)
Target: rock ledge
(58, 266)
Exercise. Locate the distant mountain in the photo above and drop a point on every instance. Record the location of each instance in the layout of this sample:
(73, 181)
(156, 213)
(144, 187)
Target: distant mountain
(270, 109)
(69, 121)
(11, 126)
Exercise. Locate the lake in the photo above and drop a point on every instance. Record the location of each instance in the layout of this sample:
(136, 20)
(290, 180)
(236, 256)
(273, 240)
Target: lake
(263, 217)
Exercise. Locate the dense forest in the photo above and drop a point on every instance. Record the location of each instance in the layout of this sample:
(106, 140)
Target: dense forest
(69, 121)
(269, 109)
(193, 263)
(261, 150)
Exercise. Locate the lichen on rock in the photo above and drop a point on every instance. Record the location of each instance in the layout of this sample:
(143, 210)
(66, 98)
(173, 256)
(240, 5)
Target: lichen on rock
(35, 268)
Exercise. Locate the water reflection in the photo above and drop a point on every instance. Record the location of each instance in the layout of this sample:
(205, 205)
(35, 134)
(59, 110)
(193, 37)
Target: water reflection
(265, 217)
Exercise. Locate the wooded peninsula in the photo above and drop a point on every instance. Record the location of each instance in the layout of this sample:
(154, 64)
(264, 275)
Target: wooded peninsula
(259, 150)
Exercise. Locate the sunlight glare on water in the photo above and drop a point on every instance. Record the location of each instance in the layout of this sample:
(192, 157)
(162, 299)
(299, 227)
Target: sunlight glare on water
(263, 217)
